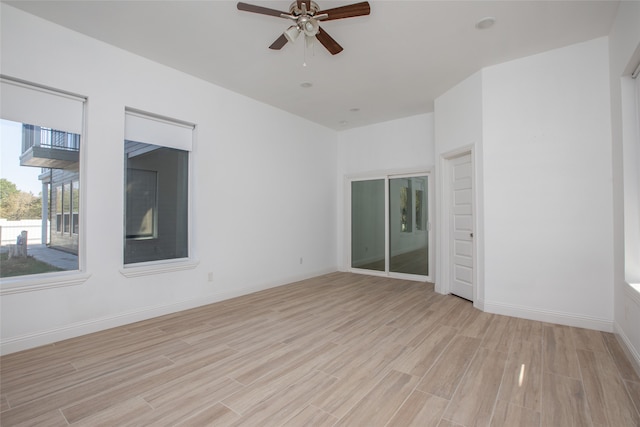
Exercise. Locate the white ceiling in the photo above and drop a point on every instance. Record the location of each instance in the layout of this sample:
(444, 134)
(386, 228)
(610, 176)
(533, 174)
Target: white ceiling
(395, 61)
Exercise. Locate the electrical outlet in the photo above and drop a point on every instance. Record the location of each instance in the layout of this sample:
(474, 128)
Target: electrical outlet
(301, 260)
(210, 276)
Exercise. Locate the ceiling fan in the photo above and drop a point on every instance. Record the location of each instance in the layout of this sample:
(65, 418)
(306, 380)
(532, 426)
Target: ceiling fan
(306, 15)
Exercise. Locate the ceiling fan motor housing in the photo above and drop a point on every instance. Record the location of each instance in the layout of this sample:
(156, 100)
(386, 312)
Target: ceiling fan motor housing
(305, 18)
(297, 11)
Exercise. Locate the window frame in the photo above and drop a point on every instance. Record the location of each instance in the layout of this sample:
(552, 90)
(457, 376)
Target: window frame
(133, 270)
(43, 281)
(631, 167)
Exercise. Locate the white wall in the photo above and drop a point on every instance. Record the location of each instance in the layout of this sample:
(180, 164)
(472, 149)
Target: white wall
(262, 198)
(403, 144)
(458, 116)
(547, 186)
(624, 56)
(390, 147)
(539, 129)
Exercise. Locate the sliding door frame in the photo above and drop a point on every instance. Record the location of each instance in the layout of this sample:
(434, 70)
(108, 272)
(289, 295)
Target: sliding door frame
(387, 176)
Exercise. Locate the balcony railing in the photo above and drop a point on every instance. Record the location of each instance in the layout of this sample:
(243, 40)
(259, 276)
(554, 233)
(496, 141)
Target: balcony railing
(49, 148)
(36, 136)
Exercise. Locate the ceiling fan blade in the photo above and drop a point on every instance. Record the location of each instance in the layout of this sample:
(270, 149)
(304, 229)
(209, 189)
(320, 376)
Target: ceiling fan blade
(259, 9)
(349, 11)
(327, 41)
(279, 43)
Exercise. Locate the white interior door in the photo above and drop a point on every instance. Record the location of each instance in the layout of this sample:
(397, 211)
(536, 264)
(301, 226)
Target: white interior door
(461, 227)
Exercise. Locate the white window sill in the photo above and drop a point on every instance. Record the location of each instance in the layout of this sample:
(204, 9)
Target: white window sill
(37, 282)
(633, 290)
(158, 267)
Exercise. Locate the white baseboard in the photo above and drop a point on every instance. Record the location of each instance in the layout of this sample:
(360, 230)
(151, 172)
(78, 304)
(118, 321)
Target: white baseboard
(549, 316)
(570, 320)
(632, 353)
(37, 339)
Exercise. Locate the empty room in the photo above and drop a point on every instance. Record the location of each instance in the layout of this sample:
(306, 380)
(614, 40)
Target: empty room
(320, 213)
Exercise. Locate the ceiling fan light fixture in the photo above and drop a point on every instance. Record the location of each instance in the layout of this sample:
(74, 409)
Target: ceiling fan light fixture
(309, 25)
(292, 33)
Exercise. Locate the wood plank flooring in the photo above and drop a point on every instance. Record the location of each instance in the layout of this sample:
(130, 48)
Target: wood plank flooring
(337, 350)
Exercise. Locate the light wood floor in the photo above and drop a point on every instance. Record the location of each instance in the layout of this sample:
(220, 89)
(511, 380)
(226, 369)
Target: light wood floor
(337, 350)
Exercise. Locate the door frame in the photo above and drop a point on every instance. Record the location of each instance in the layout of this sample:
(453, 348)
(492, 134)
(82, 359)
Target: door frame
(386, 176)
(444, 234)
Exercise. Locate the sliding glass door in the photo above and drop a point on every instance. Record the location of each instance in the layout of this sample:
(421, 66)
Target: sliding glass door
(390, 228)
(368, 225)
(408, 226)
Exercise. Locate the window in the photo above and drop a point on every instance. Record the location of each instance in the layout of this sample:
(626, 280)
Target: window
(75, 207)
(631, 168)
(142, 203)
(66, 207)
(40, 175)
(58, 208)
(156, 194)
